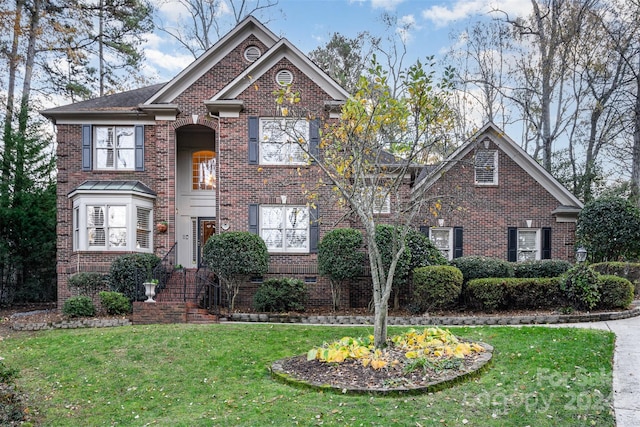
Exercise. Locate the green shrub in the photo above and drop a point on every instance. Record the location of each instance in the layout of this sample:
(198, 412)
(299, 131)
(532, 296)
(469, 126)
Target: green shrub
(234, 256)
(486, 294)
(128, 272)
(436, 287)
(340, 259)
(534, 293)
(628, 270)
(423, 251)
(88, 283)
(615, 292)
(609, 228)
(280, 295)
(7, 374)
(115, 303)
(477, 267)
(541, 268)
(79, 306)
(580, 286)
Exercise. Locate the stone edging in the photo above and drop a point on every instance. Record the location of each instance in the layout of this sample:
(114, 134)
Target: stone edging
(71, 324)
(542, 319)
(455, 377)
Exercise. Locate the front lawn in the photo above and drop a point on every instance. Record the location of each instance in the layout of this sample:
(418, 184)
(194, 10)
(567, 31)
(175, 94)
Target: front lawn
(217, 375)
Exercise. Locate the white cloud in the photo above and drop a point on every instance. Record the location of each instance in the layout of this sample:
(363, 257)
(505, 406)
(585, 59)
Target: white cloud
(385, 4)
(167, 65)
(406, 24)
(461, 9)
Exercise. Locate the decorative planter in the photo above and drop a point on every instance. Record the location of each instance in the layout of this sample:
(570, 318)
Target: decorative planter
(161, 227)
(150, 291)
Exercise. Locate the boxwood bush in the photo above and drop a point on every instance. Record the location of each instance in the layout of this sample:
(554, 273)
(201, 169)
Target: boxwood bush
(280, 295)
(128, 272)
(615, 292)
(581, 287)
(541, 268)
(515, 293)
(436, 287)
(478, 267)
(79, 306)
(115, 303)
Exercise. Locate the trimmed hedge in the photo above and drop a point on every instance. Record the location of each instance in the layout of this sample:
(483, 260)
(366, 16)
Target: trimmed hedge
(628, 270)
(615, 292)
(478, 267)
(436, 287)
(541, 268)
(280, 295)
(515, 293)
(79, 306)
(128, 272)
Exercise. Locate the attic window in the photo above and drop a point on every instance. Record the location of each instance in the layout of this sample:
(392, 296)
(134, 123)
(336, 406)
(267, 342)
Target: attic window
(252, 53)
(284, 77)
(486, 167)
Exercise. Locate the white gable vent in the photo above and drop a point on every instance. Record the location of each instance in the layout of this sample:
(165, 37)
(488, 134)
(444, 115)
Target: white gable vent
(252, 53)
(284, 77)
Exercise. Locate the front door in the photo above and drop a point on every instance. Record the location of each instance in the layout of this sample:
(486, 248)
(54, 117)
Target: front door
(206, 229)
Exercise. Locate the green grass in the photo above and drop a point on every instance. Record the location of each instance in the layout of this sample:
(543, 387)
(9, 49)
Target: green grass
(217, 375)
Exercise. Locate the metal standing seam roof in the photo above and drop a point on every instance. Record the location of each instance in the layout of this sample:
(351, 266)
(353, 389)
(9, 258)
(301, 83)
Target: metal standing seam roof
(115, 186)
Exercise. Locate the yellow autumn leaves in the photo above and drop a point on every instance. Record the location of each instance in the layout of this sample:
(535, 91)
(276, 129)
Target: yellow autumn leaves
(430, 343)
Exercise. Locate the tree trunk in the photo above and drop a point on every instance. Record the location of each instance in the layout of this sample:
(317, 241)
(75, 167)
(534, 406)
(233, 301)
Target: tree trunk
(635, 169)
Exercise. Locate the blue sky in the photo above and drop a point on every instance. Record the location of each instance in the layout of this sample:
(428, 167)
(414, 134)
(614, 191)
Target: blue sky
(310, 23)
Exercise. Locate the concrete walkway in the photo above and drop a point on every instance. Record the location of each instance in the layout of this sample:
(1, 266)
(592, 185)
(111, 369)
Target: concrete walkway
(626, 367)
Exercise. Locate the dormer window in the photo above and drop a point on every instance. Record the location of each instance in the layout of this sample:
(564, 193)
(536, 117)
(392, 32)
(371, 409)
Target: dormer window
(486, 167)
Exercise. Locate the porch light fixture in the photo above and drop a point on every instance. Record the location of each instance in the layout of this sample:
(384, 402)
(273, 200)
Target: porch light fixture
(581, 254)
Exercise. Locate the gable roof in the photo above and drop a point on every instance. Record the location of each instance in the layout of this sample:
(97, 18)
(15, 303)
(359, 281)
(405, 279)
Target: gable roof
(282, 49)
(567, 200)
(188, 76)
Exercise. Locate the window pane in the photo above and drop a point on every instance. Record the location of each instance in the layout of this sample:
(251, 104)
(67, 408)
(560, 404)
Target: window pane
(95, 216)
(526, 240)
(271, 217)
(125, 138)
(126, 159)
(297, 239)
(273, 152)
(104, 137)
(297, 218)
(272, 238)
(440, 238)
(117, 237)
(117, 216)
(143, 228)
(203, 165)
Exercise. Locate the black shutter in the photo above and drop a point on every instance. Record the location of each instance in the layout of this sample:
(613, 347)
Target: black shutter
(253, 218)
(512, 244)
(424, 229)
(314, 230)
(457, 242)
(139, 144)
(314, 139)
(546, 243)
(254, 128)
(86, 147)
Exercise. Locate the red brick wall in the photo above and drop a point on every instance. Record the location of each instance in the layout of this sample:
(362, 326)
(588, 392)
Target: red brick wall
(485, 212)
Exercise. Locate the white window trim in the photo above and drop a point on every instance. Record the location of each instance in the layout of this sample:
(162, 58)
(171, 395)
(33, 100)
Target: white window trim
(537, 249)
(131, 203)
(261, 140)
(94, 148)
(284, 249)
(495, 171)
(448, 255)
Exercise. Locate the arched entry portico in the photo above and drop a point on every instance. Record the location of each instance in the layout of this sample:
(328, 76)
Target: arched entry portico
(196, 190)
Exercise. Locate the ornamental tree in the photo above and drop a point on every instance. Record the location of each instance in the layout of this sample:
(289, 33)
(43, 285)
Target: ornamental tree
(368, 153)
(235, 256)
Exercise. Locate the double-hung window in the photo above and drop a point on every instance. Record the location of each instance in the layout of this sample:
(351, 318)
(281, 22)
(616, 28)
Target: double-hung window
(283, 141)
(442, 238)
(114, 147)
(381, 199)
(285, 228)
(486, 167)
(528, 245)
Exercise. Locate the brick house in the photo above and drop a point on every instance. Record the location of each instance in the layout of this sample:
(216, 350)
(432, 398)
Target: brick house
(202, 153)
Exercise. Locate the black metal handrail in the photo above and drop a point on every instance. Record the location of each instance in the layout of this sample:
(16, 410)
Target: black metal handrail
(162, 272)
(207, 293)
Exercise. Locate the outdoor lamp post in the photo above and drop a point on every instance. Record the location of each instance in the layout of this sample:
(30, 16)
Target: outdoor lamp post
(581, 254)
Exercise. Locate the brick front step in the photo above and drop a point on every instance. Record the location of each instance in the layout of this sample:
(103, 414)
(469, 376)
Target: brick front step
(147, 313)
